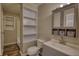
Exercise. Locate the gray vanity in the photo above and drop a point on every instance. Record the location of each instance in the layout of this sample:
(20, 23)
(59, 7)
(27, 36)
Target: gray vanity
(52, 48)
(48, 51)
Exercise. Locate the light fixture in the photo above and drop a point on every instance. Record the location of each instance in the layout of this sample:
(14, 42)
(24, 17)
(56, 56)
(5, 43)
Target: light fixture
(68, 3)
(61, 5)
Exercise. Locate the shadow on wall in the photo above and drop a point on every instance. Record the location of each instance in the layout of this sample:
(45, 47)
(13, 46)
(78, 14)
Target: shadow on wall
(46, 27)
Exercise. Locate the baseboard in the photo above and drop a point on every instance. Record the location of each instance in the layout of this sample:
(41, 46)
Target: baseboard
(10, 43)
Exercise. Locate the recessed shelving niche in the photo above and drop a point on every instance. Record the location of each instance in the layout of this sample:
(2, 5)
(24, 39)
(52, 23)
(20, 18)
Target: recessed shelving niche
(29, 24)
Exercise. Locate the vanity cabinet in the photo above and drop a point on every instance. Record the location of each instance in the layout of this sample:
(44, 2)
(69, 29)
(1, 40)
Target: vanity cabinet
(48, 51)
(65, 21)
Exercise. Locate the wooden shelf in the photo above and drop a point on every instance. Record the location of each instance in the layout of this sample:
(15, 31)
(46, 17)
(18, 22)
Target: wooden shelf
(29, 34)
(29, 18)
(29, 28)
(29, 9)
(29, 40)
(29, 25)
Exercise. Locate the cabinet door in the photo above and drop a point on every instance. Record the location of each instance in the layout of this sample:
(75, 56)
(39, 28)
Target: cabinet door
(48, 51)
(69, 18)
(56, 21)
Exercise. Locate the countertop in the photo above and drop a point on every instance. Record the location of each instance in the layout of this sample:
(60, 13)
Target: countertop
(63, 48)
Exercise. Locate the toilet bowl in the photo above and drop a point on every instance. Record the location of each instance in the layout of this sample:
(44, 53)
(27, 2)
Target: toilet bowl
(34, 50)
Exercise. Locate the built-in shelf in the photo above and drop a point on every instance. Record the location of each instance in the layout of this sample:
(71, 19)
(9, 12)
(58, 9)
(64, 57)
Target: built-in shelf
(30, 34)
(29, 18)
(29, 40)
(24, 8)
(29, 27)
(29, 13)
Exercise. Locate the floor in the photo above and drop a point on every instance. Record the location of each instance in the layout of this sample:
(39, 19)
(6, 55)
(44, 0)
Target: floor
(11, 50)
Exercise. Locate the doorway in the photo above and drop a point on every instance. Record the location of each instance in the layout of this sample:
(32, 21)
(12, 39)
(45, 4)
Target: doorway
(11, 24)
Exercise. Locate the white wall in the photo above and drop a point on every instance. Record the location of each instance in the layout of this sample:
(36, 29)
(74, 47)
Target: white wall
(0, 29)
(1, 40)
(45, 19)
(18, 30)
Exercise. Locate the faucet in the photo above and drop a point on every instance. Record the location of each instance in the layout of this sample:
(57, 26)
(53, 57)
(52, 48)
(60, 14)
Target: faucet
(61, 41)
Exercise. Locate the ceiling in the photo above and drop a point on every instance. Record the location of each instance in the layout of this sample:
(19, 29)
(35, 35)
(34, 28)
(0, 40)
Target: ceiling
(37, 4)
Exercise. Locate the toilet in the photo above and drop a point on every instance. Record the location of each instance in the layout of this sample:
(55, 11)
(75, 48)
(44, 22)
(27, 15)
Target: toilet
(34, 50)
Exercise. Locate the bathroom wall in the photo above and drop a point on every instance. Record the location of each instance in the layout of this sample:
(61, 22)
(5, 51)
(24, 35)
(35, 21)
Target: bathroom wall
(1, 30)
(45, 19)
(18, 30)
(45, 22)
